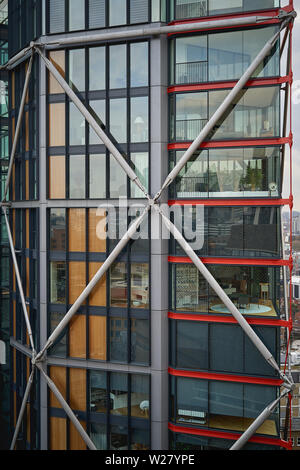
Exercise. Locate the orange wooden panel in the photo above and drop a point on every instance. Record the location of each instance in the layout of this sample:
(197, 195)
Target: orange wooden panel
(77, 230)
(98, 295)
(13, 182)
(14, 365)
(97, 337)
(77, 381)
(77, 279)
(14, 318)
(59, 377)
(15, 408)
(28, 421)
(77, 336)
(57, 177)
(58, 434)
(27, 183)
(58, 60)
(76, 441)
(96, 223)
(27, 277)
(57, 124)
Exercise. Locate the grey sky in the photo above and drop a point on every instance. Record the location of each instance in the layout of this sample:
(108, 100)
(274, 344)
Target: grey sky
(296, 117)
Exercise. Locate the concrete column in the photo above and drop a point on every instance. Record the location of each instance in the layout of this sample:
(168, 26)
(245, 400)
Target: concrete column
(159, 247)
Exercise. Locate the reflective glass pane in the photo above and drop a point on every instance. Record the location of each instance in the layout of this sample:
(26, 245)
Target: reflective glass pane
(140, 404)
(97, 68)
(99, 435)
(191, 59)
(76, 14)
(139, 119)
(118, 285)
(139, 285)
(118, 339)
(118, 179)
(140, 165)
(98, 392)
(97, 182)
(57, 282)
(76, 126)
(139, 341)
(192, 401)
(117, 66)
(118, 119)
(139, 64)
(58, 229)
(118, 394)
(77, 69)
(117, 12)
(99, 113)
(77, 177)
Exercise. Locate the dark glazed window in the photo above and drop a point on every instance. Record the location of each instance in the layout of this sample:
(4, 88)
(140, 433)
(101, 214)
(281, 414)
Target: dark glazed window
(58, 229)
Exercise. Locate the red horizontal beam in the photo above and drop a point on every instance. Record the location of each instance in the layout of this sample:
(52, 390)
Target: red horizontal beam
(231, 320)
(233, 143)
(232, 261)
(228, 435)
(230, 202)
(225, 377)
(228, 84)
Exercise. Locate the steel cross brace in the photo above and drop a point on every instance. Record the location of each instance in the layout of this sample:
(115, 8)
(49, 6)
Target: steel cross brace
(153, 204)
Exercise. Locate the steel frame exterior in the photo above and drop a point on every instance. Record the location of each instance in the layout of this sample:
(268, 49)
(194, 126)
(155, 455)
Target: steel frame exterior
(37, 360)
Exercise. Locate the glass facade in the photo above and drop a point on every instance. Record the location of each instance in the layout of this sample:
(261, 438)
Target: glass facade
(113, 407)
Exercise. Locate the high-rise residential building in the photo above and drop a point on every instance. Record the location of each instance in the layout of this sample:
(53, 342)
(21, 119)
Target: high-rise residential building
(168, 349)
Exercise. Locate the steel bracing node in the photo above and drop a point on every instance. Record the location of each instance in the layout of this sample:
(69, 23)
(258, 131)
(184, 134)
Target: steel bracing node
(37, 360)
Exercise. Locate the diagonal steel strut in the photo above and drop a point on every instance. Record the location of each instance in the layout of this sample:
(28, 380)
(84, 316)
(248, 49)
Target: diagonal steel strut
(223, 108)
(221, 294)
(18, 127)
(93, 123)
(67, 409)
(22, 409)
(99, 274)
(19, 281)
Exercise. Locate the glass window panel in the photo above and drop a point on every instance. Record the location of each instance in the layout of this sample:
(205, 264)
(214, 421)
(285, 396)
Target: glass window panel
(192, 345)
(118, 339)
(118, 179)
(117, 12)
(97, 13)
(57, 124)
(117, 66)
(225, 231)
(192, 401)
(257, 398)
(140, 165)
(253, 43)
(254, 362)
(190, 9)
(192, 180)
(139, 398)
(77, 177)
(140, 341)
(139, 10)
(216, 7)
(118, 394)
(97, 186)
(140, 439)
(98, 392)
(76, 14)
(227, 59)
(77, 69)
(118, 119)
(139, 64)
(225, 398)
(139, 119)
(118, 438)
(76, 126)
(77, 229)
(261, 232)
(57, 229)
(98, 106)
(226, 170)
(57, 177)
(59, 348)
(99, 436)
(97, 68)
(191, 59)
(57, 16)
(190, 289)
(58, 60)
(139, 285)
(191, 115)
(226, 355)
(57, 282)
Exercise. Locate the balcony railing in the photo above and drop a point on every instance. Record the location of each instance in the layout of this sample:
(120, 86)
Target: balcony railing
(186, 9)
(192, 186)
(189, 129)
(191, 72)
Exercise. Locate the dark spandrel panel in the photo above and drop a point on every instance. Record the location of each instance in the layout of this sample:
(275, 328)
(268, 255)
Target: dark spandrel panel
(138, 11)
(96, 13)
(57, 16)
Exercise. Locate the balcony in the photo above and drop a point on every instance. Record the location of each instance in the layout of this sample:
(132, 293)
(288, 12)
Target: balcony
(189, 129)
(191, 72)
